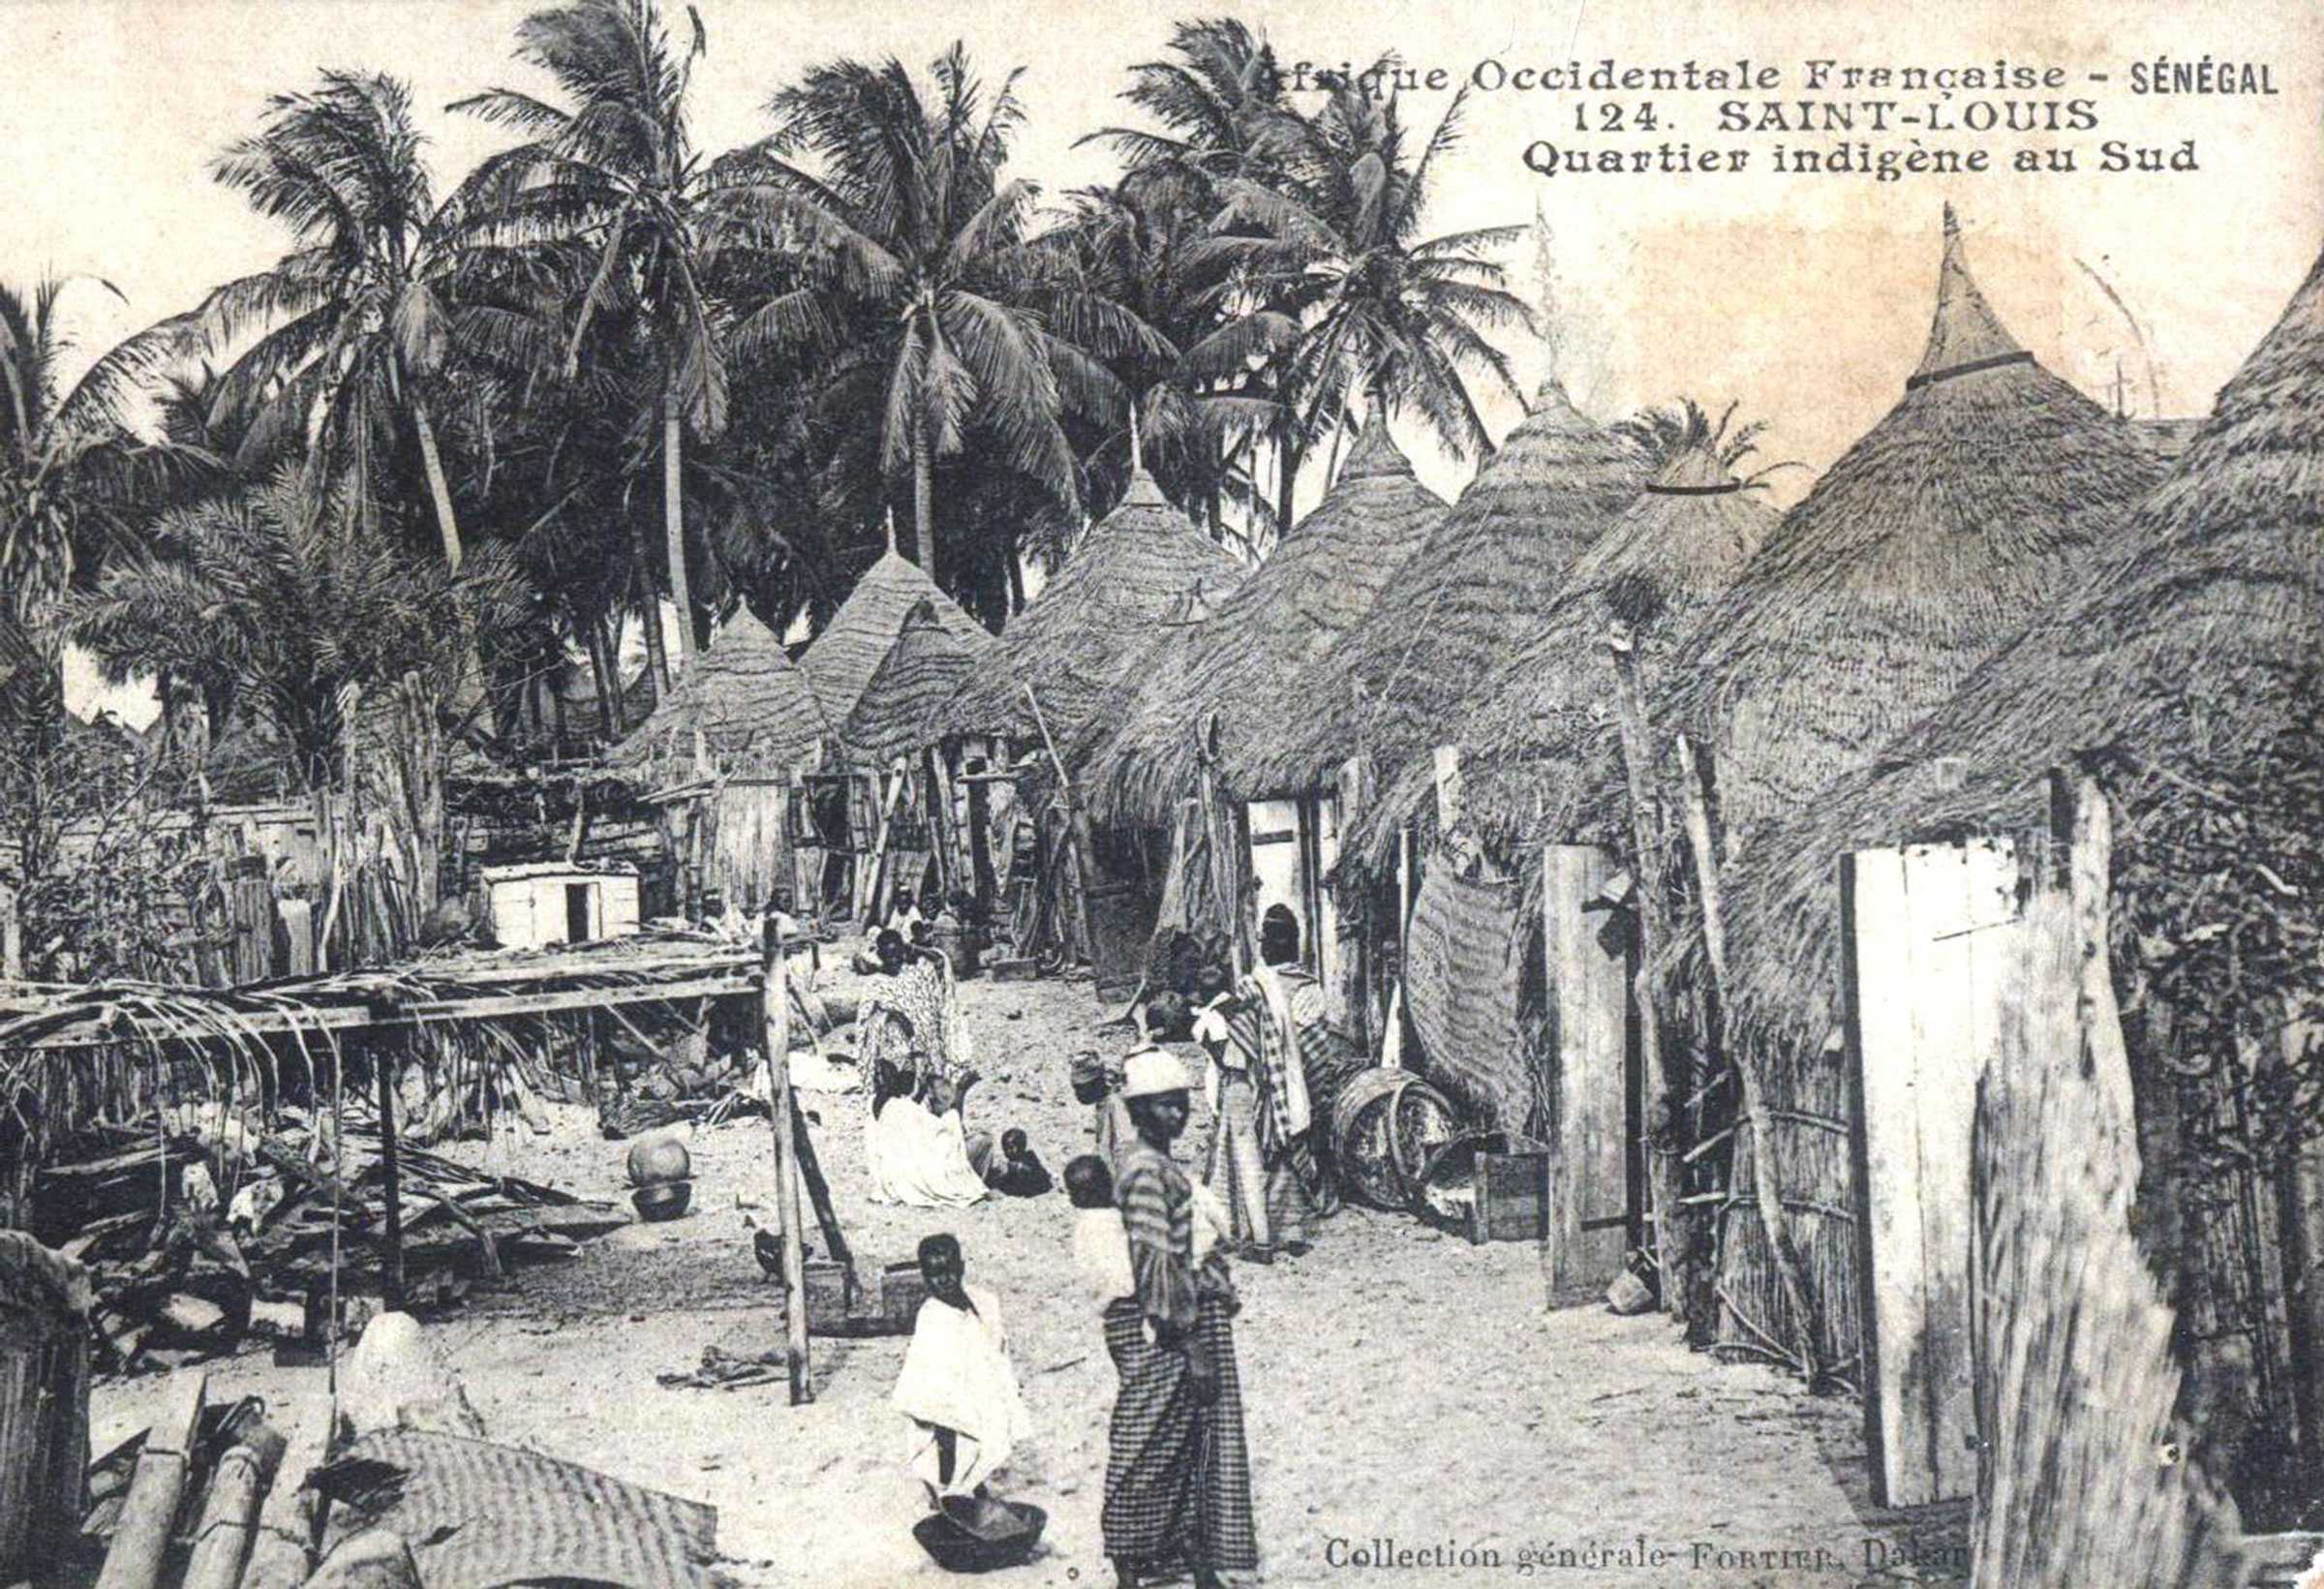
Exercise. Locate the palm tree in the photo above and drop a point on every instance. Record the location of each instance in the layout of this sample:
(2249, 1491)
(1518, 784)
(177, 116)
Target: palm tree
(73, 463)
(1214, 97)
(923, 296)
(362, 322)
(617, 169)
(1386, 315)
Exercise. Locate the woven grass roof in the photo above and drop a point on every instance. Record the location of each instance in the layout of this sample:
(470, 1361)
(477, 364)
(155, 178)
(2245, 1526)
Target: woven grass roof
(2188, 661)
(1094, 618)
(1247, 662)
(1978, 500)
(900, 710)
(1477, 587)
(1540, 745)
(841, 660)
(756, 712)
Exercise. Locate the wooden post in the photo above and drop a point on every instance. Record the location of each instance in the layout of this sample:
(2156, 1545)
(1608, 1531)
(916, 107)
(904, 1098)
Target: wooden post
(818, 1192)
(149, 1511)
(11, 936)
(774, 1004)
(1077, 831)
(1630, 701)
(1790, 1267)
(229, 1512)
(391, 1259)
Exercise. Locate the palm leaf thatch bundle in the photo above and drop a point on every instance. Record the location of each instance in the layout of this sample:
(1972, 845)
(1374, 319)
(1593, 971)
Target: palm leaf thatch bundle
(1477, 588)
(900, 710)
(1540, 748)
(1095, 618)
(752, 707)
(841, 660)
(1247, 662)
(2186, 667)
(1979, 498)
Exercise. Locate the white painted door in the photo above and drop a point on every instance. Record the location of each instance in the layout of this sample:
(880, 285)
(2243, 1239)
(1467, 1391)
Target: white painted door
(1277, 863)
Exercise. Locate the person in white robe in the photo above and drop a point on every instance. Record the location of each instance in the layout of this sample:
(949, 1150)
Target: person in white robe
(957, 1387)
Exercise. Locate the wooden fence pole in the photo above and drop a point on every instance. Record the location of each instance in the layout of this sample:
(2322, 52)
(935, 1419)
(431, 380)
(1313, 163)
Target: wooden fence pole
(149, 1511)
(774, 1004)
(229, 1512)
(391, 1259)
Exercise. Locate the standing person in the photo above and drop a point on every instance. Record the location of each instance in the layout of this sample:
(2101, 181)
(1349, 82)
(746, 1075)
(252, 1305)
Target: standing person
(1177, 1468)
(1263, 1163)
(957, 1387)
(910, 1015)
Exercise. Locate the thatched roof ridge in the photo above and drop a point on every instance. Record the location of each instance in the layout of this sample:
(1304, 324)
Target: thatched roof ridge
(1478, 586)
(2188, 661)
(841, 660)
(1539, 743)
(1247, 663)
(901, 710)
(1985, 493)
(755, 709)
(1089, 622)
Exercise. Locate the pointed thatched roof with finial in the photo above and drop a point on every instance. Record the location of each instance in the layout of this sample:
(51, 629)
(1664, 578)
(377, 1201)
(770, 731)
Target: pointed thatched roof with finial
(900, 710)
(1247, 663)
(1539, 743)
(1478, 586)
(2187, 667)
(841, 660)
(1093, 619)
(1989, 489)
(756, 713)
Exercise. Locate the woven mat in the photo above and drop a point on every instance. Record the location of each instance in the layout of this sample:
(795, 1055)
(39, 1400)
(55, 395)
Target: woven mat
(1461, 983)
(479, 1516)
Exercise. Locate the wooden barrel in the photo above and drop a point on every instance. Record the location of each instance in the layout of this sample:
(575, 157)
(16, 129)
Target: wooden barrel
(45, 1302)
(1384, 1124)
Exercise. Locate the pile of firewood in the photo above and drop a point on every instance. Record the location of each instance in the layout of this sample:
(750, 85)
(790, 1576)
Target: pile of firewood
(201, 1228)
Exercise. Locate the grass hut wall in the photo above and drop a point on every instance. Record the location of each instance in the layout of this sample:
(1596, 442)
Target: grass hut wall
(750, 708)
(841, 662)
(2185, 670)
(1392, 688)
(1093, 619)
(1245, 664)
(1981, 498)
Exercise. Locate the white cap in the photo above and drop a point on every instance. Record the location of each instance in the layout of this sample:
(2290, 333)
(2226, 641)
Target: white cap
(1151, 1071)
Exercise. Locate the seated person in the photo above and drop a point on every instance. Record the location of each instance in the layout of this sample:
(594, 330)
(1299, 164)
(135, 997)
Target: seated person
(917, 1156)
(1017, 1172)
(958, 1388)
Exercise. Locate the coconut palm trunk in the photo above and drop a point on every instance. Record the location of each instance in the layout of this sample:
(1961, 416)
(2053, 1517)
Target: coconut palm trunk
(673, 522)
(924, 501)
(440, 490)
(658, 651)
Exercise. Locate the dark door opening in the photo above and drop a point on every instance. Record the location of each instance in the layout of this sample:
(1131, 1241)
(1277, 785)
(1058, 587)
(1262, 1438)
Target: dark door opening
(576, 912)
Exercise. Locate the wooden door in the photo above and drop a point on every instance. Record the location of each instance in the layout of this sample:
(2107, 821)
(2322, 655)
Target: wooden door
(1932, 935)
(1592, 1207)
(1278, 865)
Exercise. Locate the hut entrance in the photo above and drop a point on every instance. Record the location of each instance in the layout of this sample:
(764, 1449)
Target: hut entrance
(1290, 848)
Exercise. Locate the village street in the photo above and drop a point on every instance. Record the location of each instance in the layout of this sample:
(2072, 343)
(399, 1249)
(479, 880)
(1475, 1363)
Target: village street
(1406, 1391)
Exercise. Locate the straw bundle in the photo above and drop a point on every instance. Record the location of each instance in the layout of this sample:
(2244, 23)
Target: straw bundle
(1091, 621)
(754, 709)
(1539, 745)
(899, 711)
(841, 660)
(1247, 663)
(1976, 502)
(1477, 589)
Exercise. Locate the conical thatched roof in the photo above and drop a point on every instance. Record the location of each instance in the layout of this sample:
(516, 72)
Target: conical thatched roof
(2188, 663)
(900, 712)
(1986, 492)
(1094, 618)
(1540, 745)
(1247, 663)
(841, 660)
(1478, 586)
(754, 705)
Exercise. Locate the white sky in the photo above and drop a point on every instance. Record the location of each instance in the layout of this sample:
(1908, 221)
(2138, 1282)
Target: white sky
(1806, 298)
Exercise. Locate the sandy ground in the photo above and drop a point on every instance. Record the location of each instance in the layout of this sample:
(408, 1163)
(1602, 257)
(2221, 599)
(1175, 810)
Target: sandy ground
(1412, 1405)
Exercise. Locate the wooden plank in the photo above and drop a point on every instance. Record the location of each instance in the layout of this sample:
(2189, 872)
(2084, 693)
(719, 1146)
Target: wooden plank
(149, 1511)
(776, 1029)
(1590, 1217)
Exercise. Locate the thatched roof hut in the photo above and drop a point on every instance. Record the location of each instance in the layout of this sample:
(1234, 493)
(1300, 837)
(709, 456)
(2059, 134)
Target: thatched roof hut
(1982, 496)
(753, 705)
(1247, 661)
(841, 660)
(1094, 618)
(2188, 664)
(900, 710)
(1540, 749)
(1477, 587)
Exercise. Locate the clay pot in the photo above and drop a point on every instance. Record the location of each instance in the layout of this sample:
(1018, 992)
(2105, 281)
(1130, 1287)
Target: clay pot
(653, 1160)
